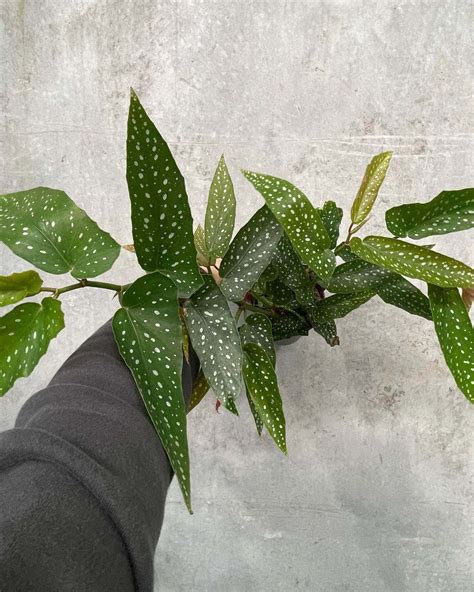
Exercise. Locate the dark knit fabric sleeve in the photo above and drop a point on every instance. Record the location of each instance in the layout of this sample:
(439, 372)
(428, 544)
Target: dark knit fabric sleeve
(83, 480)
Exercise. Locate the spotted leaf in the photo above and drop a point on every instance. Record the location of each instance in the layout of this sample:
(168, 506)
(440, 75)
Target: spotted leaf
(258, 329)
(288, 326)
(450, 211)
(261, 382)
(403, 294)
(344, 252)
(17, 286)
(280, 295)
(339, 305)
(327, 330)
(370, 186)
(357, 276)
(46, 228)
(456, 335)
(413, 261)
(148, 332)
(249, 254)
(292, 272)
(161, 218)
(301, 221)
(331, 216)
(215, 339)
(25, 334)
(220, 212)
(203, 257)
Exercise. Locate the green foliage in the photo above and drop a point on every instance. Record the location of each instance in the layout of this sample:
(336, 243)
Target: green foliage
(220, 213)
(25, 334)
(414, 261)
(301, 221)
(17, 286)
(161, 218)
(278, 274)
(331, 217)
(339, 305)
(450, 211)
(147, 329)
(215, 339)
(249, 254)
(262, 387)
(46, 228)
(456, 335)
(370, 186)
(203, 257)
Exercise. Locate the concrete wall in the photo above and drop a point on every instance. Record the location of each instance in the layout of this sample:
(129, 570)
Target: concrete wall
(374, 495)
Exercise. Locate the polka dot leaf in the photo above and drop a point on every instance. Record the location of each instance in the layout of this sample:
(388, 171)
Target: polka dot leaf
(25, 334)
(288, 326)
(249, 254)
(370, 186)
(147, 330)
(455, 334)
(292, 272)
(258, 329)
(161, 218)
(401, 293)
(203, 257)
(46, 228)
(215, 340)
(327, 330)
(301, 221)
(338, 306)
(261, 382)
(331, 216)
(358, 275)
(450, 211)
(16, 286)
(413, 261)
(220, 212)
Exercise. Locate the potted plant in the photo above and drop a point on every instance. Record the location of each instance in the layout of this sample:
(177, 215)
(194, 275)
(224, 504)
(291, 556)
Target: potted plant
(285, 273)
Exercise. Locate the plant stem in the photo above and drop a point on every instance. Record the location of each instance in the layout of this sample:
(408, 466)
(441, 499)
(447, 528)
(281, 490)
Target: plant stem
(246, 306)
(85, 283)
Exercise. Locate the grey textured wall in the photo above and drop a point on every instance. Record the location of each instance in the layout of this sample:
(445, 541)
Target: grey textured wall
(374, 495)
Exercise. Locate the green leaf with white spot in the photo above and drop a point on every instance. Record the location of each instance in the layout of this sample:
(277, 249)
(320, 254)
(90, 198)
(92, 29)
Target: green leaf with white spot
(147, 330)
(413, 261)
(455, 334)
(344, 252)
(450, 211)
(258, 329)
(357, 276)
(288, 326)
(331, 216)
(215, 340)
(220, 212)
(370, 186)
(292, 272)
(403, 294)
(262, 386)
(301, 221)
(203, 257)
(327, 329)
(161, 218)
(16, 286)
(25, 334)
(249, 254)
(280, 295)
(46, 228)
(339, 305)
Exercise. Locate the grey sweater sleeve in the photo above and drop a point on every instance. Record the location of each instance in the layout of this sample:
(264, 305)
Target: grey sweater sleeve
(83, 480)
